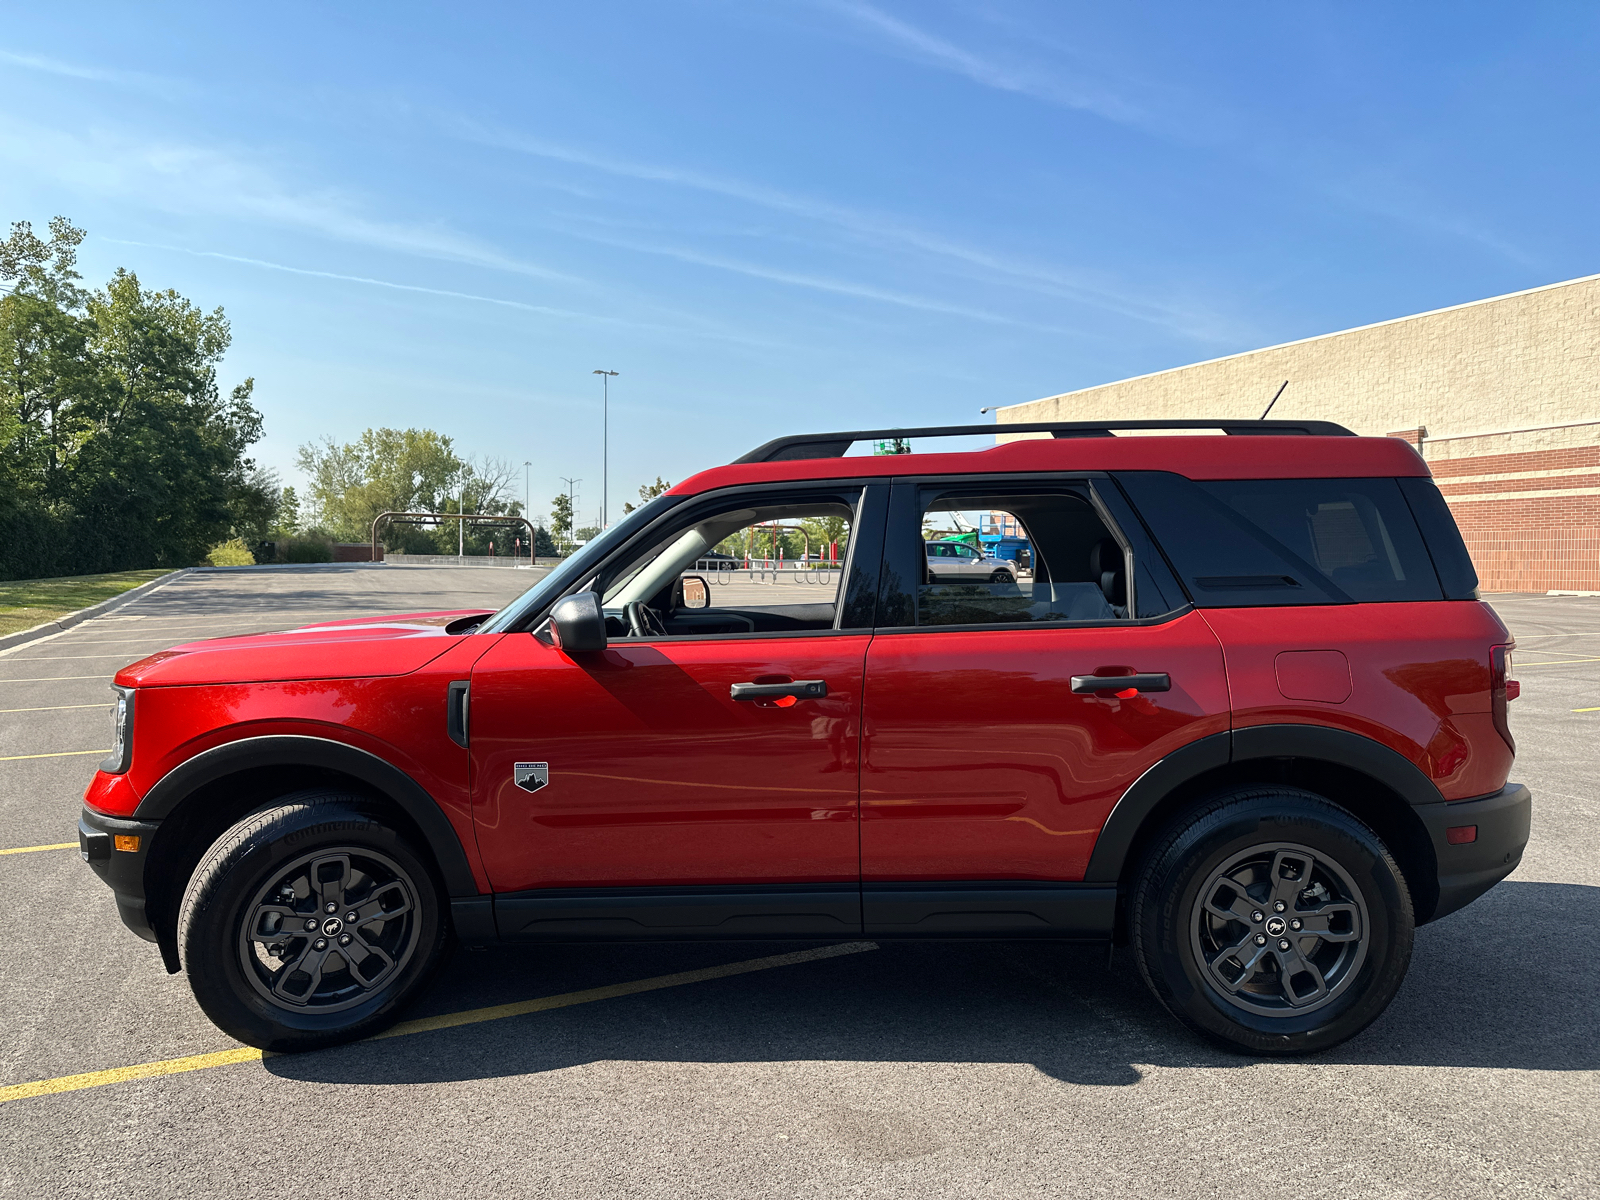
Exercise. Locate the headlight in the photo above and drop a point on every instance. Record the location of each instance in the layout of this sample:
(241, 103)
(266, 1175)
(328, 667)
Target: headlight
(116, 763)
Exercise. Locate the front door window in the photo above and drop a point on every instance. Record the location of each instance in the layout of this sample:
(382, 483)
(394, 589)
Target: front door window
(658, 773)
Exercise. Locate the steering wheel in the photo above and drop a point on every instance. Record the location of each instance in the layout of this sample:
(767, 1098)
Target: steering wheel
(643, 621)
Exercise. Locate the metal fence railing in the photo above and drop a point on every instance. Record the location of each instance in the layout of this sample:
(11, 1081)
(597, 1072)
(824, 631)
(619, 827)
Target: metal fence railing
(766, 570)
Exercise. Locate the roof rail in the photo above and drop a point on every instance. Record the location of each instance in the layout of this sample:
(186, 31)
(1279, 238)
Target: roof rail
(834, 445)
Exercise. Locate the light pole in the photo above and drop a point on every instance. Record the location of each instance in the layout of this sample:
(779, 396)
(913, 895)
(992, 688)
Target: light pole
(605, 432)
(572, 515)
(527, 504)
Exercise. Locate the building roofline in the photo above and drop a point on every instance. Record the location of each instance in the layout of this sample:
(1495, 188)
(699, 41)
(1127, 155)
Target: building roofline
(1205, 362)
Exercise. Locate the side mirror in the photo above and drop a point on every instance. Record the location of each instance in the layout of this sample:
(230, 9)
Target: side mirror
(577, 624)
(696, 592)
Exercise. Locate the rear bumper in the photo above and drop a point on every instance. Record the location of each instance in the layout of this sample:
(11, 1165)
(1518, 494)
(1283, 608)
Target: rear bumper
(123, 870)
(1469, 869)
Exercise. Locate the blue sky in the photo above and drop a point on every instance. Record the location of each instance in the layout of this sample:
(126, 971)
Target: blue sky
(792, 215)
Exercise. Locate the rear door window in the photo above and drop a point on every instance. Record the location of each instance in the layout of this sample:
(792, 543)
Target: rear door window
(1258, 542)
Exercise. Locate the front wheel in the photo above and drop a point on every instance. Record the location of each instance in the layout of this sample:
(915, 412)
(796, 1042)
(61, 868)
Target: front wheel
(1273, 921)
(310, 922)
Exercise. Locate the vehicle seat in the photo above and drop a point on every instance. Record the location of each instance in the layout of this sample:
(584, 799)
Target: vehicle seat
(1069, 602)
(1109, 568)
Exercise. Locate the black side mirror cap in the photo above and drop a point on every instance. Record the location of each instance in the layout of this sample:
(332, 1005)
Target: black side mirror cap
(577, 624)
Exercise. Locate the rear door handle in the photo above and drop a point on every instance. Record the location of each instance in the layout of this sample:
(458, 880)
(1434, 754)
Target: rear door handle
(1093, 685)
(797, 689)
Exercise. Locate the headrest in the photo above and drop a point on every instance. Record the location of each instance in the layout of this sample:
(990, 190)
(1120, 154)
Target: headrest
(1107, 568)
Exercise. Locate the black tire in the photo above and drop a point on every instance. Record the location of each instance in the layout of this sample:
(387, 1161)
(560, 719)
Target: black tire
(242, 935)
(1002, 577)
(1243, 852)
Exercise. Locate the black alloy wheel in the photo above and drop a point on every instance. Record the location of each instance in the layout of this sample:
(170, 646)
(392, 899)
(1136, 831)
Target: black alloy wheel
(1272, 920)
(330, 930)
(310, 922)
(1000, 576)
(1279, 930)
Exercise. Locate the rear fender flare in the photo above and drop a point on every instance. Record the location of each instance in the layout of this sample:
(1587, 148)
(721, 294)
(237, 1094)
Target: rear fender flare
(1314, 742)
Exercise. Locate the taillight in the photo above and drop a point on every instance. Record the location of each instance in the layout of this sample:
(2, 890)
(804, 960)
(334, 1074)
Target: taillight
(1502, 689)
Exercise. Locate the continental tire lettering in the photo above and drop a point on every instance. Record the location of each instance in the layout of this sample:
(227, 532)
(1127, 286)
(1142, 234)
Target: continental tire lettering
(329, 827)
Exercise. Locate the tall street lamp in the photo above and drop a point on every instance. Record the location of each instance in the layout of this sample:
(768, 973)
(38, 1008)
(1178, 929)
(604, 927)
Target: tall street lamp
(527, 502)
(572, 507)
(605, 430)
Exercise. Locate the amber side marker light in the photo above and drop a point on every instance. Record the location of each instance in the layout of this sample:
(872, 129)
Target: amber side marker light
(1460, 835)
(126, 841)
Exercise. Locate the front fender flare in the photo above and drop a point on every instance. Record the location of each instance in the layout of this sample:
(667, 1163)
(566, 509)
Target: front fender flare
(288, 750)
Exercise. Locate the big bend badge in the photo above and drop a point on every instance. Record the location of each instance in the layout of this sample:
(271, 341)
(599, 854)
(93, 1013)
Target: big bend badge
(530, 777)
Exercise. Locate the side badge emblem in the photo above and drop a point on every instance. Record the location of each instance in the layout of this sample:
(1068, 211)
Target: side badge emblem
(530, 777)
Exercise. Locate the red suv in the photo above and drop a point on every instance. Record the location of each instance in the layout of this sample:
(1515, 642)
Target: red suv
(1243, 713)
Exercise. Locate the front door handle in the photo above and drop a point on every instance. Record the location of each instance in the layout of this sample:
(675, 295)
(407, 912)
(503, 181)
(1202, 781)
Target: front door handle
(795, 689)
(1093, 685)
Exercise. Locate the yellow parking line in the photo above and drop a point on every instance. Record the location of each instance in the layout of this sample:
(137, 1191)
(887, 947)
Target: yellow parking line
(1586, 710)
(57, 754)
(54, 708)
(31, 849)
(1554, 662)
(496, 1012)
(89, 1079)
(53, 678)
(473, 1016)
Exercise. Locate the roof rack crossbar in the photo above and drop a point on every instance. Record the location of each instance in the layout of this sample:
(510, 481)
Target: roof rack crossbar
(835, 445)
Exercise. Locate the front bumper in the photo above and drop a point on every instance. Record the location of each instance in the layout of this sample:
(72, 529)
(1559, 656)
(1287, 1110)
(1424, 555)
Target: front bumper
(1469, 869)
(123, 870)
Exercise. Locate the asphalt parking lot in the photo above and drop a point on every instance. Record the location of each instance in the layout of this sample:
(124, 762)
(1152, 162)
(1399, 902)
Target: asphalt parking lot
(981, 1070)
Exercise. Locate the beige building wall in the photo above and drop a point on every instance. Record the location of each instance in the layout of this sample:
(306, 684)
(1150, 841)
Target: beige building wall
(1501, 396)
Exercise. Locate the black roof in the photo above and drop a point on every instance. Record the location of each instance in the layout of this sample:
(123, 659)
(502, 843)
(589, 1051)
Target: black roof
(834, 445)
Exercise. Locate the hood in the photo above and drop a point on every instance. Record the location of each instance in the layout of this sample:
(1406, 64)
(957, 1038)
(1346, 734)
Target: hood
(360, 648)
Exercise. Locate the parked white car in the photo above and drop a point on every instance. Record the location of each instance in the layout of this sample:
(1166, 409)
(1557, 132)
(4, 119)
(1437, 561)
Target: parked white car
(951, 562)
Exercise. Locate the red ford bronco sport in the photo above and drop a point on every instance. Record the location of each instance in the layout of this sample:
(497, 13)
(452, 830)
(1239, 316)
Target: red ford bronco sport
(1241, 711)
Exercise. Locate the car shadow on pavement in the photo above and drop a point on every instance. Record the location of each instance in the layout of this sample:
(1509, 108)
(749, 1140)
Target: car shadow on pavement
(1509, 982)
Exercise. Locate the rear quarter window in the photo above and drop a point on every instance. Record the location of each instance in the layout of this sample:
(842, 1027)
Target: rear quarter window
(1258, 542)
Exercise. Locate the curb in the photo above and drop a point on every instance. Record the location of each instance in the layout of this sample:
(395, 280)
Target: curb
(61, 624)
(366, 566)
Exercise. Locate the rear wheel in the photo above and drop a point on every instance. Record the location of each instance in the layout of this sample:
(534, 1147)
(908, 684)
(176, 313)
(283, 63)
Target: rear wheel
(309, 922)
(1273, 921)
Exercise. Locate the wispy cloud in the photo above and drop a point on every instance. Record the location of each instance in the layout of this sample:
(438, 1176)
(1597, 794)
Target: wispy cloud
(1187, 119)
(193, 180)
(474, 297)
(838, 287)
(54, 66)
(880, 230)
(1052, 87)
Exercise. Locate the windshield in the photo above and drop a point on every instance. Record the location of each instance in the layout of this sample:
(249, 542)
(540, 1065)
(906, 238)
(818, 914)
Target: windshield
(571, 570)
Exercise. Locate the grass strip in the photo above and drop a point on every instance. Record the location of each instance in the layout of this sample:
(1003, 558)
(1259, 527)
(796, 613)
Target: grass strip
(25, 603)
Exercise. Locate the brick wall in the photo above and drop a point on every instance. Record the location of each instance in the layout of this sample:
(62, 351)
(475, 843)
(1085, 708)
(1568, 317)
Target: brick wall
(1531, 520)
(1527, 498)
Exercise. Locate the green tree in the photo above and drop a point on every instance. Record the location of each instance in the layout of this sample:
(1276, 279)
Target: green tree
(825, 531)
(118, 449)
(647, 493)
(384, 470)
(255, 505)
(405, 470)
(288, 523)
(561, 518)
